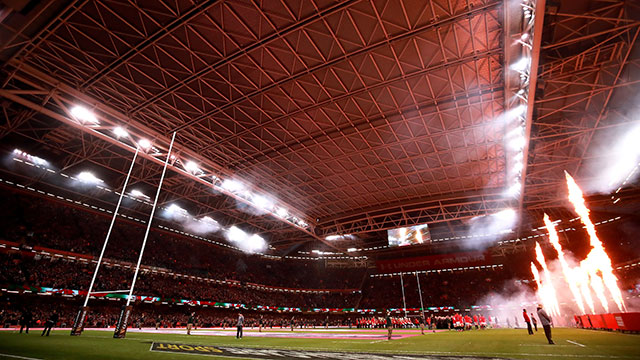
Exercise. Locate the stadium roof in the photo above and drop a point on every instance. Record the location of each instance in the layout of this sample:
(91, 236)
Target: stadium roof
(354, 116)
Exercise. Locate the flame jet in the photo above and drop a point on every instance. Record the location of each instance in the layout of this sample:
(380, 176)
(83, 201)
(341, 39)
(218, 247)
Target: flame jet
(551, 299)
(573, 279)
(597, 264)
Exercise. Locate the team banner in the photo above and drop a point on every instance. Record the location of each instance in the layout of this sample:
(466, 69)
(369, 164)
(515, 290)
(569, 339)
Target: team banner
(254, 353)
(434, 262)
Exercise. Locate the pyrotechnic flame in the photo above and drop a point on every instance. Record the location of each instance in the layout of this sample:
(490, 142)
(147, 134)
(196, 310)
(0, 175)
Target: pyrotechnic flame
(597, 264)
(570, 275)
(595, 271)
(549, 297)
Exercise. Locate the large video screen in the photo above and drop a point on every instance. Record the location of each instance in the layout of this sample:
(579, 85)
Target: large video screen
(409, 236)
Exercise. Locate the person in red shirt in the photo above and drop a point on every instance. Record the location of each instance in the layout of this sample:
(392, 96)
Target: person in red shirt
(527, 320)
(483, 322)
(467, 322)
(475, 321)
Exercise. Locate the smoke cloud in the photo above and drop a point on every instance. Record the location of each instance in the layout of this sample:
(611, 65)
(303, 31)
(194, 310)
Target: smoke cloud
(618, 154)
(518, 295)
(203, 226)
(485, 230)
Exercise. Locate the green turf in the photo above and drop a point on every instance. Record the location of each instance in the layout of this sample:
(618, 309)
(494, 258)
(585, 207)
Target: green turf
(505, 343)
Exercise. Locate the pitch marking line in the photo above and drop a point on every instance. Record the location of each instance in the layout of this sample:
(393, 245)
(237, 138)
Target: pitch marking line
(19, 357)
(575, 343)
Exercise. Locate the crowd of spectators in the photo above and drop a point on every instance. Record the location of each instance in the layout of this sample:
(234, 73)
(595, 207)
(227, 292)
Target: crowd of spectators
(64, 274)
(32, 221)
(35, 221)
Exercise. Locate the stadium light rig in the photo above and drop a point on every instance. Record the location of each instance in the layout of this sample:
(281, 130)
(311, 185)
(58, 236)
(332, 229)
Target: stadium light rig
(515, 138)
(144, 144)
(17, 153)
(138, 194)
(120, 132)
(88, 177)
(223, 183)
(84, 115)
(192, 167)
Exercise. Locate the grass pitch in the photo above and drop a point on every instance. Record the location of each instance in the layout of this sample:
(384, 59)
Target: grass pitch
(496, 343)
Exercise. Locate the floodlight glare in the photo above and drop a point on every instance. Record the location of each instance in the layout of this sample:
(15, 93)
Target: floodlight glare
(506, 215)
(175, 209)
(232, 185)
(138, 194)
(191, 167)
(84, 115)
(144, 143)
(88, 177)
(261, 201)
(521, 65)
(255, 243)
(120, 132)
(513, 190)
(282, 212)
(234, 234)
(209, 220)
(517, 143)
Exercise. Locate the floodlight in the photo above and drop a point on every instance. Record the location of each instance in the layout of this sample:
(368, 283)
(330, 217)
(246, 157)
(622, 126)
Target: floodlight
(517, 143)
(175, 209)
(120, 132)
(255, 243)
(513, 190)
(518, 166)
(261, 202)
(144, 144)
(138, 193)
(522, 64)
(209, 220)
(84, 115)
(234, 234)
(506, 214)
(282, 212)
(191, 167)
(88, 177)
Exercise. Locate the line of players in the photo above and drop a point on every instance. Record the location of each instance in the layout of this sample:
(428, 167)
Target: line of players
(456, 322)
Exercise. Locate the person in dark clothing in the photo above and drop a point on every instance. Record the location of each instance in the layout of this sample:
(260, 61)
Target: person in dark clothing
(545, 321)
(389, 325)
(240, 324)
(535, 322)
(158, 322)
(527, 320)
(50, 323)
(25, 320)
(190, 322)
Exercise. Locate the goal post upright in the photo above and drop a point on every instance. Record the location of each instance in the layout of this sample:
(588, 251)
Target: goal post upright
(78, 323)
(121, 326)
